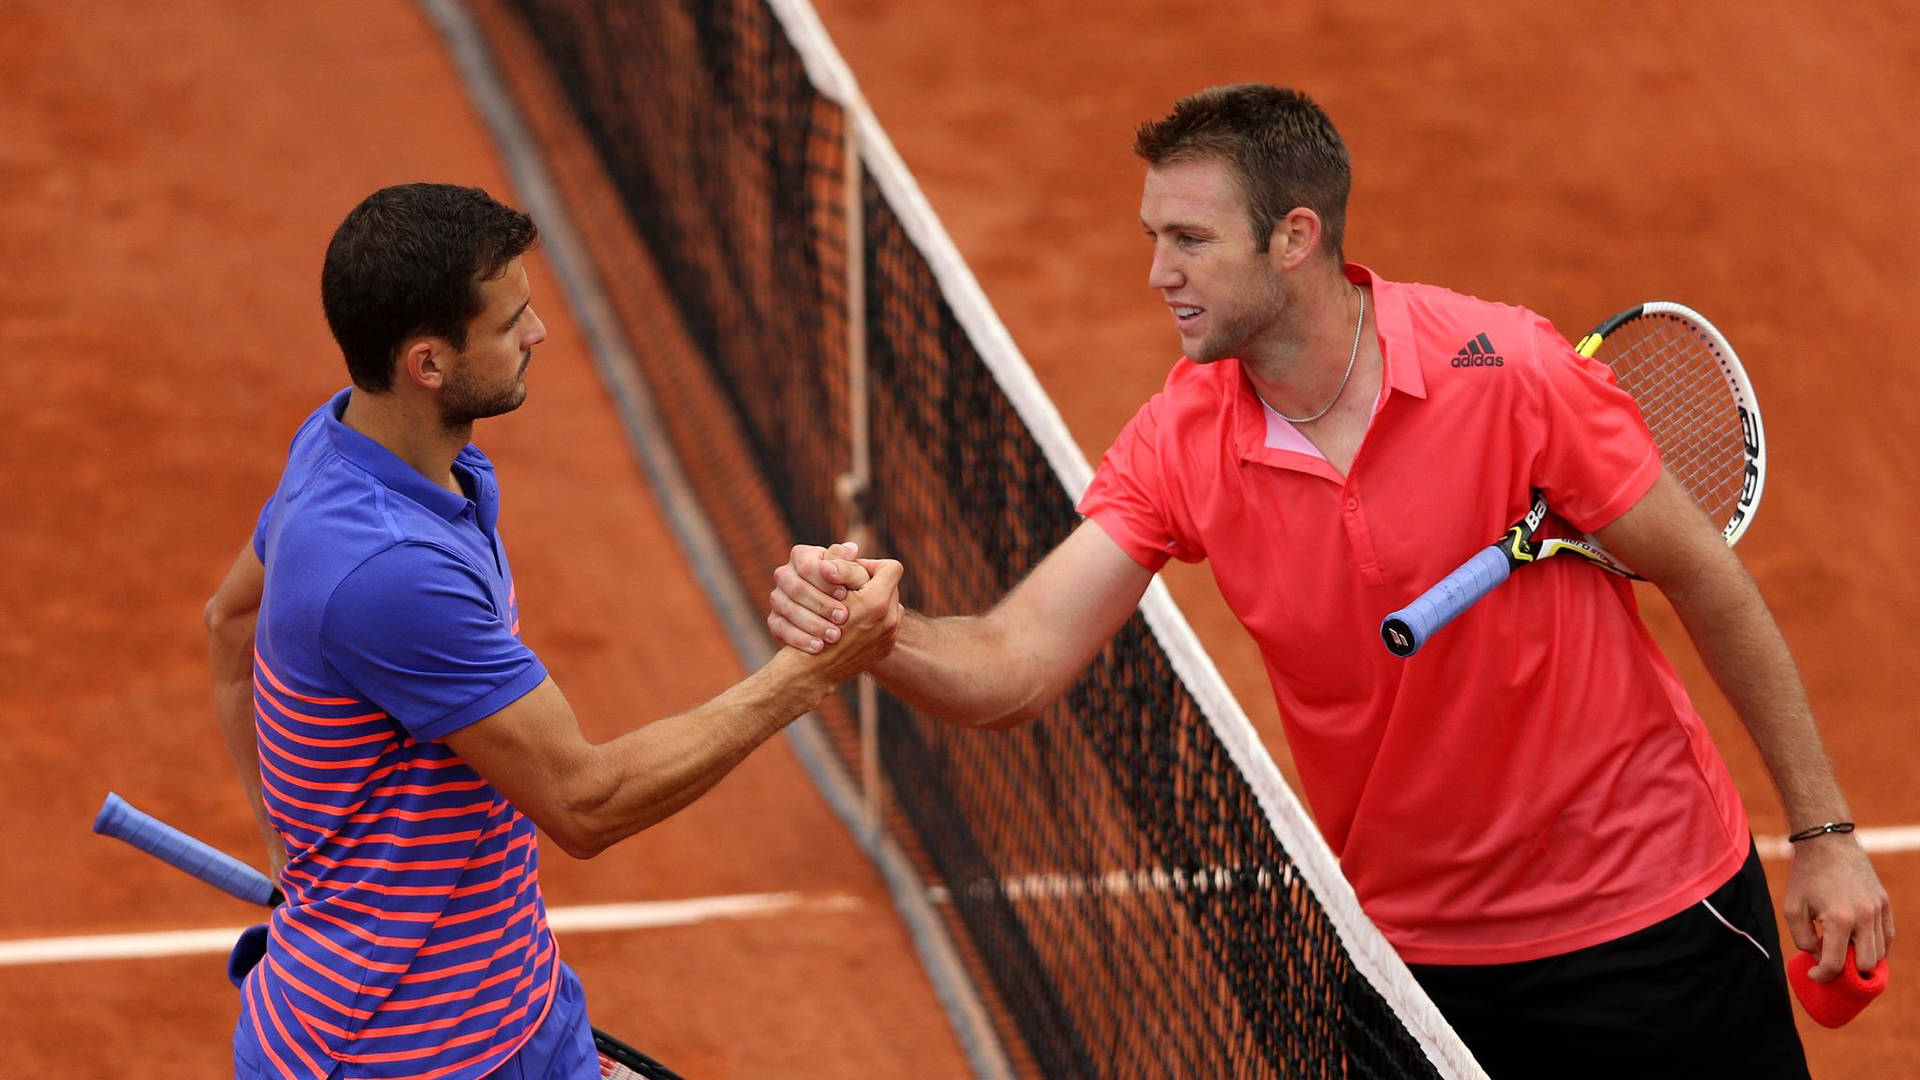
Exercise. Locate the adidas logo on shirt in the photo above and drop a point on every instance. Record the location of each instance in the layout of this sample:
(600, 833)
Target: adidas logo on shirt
(1478, 353)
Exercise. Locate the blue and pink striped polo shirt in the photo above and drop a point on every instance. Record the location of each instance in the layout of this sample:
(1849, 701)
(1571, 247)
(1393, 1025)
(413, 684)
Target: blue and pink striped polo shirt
(413, 942)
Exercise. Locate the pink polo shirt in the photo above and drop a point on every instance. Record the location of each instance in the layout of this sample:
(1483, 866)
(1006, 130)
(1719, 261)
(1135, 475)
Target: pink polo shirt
(1534, 781)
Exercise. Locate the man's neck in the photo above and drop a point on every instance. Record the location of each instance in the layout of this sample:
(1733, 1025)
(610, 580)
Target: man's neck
(412, 430)
(1306, 355)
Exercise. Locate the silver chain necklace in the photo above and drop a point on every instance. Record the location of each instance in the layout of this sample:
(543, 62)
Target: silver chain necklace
(1351, 357)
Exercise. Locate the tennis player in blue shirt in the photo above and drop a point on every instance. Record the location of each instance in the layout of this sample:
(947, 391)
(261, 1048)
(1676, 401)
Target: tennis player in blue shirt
(397, 740)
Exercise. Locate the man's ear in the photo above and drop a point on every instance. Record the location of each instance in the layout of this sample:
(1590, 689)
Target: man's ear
(424, 362)
(1296, 238)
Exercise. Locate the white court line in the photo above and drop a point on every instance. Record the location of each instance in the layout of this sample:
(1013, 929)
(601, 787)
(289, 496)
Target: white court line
(637, 916)
(666, 913)
(1875, 841)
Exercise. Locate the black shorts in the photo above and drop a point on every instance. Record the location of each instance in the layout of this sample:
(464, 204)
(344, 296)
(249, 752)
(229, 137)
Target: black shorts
(1700, 995)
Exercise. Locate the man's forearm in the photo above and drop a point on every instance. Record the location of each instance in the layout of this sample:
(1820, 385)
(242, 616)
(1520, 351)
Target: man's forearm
(964, 670)
(992, 670)
(1744, 651)
(1833, 899)
(632, 782)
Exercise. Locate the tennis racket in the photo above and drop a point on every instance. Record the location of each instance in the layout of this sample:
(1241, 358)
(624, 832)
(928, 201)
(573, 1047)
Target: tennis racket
(1695, 397)
(121, 820)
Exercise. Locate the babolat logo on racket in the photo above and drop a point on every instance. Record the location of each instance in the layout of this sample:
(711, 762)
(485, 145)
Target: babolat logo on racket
(1536, 514)
(1478, 353)
(1518, 543)
(1750, 483)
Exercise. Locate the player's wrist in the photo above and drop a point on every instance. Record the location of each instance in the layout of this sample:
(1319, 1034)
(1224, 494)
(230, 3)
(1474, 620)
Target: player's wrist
(1821, 831)
(808, 676)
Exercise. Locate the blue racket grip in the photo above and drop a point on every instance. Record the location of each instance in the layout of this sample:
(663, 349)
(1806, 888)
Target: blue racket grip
(118, 819)
(1406, 630)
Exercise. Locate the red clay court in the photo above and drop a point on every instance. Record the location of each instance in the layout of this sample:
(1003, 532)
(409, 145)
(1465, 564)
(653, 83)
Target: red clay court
(170, 178)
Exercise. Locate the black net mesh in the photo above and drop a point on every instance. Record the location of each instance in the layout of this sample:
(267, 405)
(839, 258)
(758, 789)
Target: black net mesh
(1107, 871)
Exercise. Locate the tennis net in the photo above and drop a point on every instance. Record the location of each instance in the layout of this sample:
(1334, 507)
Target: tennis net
(1129, 883)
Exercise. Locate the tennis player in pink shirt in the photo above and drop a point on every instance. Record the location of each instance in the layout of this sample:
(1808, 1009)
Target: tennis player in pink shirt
(1530, 809)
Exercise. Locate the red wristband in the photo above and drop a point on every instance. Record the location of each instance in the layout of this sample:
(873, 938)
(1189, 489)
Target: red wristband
(1833, 1003)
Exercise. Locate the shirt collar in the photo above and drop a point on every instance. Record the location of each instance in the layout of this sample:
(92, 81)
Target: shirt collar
(1400, 361)
(385, 466)
(1394, 326)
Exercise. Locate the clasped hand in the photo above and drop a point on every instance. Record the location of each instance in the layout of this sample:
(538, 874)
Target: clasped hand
(831, 596)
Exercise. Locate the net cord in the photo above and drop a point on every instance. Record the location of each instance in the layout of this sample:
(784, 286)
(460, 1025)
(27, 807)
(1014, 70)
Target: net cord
(1372, 955)
(613, 356)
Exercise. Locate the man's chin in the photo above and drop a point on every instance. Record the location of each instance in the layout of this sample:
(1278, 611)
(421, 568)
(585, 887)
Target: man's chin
(461, 417)
(1202, 352)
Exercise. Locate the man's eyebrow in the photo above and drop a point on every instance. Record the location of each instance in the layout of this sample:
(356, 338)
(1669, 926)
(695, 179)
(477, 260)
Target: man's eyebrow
(1179, 227)
(519, 311)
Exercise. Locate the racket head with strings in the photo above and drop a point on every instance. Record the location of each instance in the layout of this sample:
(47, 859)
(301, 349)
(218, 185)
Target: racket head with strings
(1695, 396)
(124, 821)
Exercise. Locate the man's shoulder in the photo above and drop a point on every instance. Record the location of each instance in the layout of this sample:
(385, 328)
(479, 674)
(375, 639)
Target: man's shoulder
(1200, 388)
(323, 569)
(1455, 330)
(1195, 402)
(339, 521)
(1433, 306)
(310, 438)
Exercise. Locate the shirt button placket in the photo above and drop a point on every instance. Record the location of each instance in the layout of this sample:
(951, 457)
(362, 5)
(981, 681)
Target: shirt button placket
(1362, 541)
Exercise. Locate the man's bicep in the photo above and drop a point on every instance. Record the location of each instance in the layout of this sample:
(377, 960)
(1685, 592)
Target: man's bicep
(1664, 536)
(239, 593)
(531, 751)
(1077, 598)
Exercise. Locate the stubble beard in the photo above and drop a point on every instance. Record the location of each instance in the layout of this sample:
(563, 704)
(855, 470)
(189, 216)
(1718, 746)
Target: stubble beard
(1231, 335)
(465, 401)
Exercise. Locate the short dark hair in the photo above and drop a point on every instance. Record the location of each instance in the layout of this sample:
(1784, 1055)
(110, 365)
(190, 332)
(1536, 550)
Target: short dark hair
(407, 262)
(1280, 147)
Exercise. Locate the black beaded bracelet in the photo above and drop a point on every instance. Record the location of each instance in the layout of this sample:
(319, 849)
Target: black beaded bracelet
(1821, 830)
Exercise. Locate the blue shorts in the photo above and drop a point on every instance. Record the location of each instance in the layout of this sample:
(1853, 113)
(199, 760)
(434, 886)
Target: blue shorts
(560, 1049)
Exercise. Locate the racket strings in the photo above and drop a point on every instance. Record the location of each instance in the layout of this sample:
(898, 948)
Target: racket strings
(1675, 375)
(613, 1070)
(618, 1061)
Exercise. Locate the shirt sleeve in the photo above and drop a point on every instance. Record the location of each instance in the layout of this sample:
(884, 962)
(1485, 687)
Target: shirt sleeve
(260, 528)
(1597, 456)
(1129, 495)
(414, 630)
